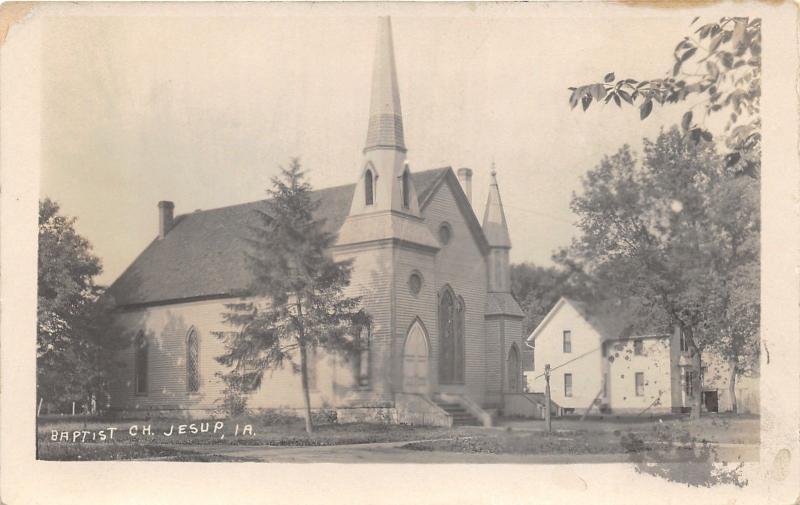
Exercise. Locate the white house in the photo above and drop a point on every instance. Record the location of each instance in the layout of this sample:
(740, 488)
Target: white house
(597, 359)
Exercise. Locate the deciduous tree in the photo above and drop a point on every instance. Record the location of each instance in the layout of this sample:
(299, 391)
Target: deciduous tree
(75, 349)
(680, 231)
(718, 69)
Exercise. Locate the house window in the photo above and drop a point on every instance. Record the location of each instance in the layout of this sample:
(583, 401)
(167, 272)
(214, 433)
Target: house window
(639, 378)
(605, 385)
(567, 341)
(140, 363)
(568, 385)
(684, 343)
(638, 347)
(451, 338)
(192, 363)
(689, 382)
(406, 189)
(369, 188)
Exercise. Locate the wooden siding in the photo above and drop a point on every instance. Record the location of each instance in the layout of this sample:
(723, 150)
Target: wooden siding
(461, 264)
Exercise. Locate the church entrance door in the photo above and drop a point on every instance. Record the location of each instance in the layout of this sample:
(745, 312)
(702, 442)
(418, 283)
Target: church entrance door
(415, 361)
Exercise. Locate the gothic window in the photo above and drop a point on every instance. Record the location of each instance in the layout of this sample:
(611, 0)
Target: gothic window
(192, 363)
(363, 356)
(369, 187)
(140, 363)
(512, 369)
(451, 338)
(406, 183)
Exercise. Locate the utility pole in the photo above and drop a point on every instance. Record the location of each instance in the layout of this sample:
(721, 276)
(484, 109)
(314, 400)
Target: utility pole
(547, 419)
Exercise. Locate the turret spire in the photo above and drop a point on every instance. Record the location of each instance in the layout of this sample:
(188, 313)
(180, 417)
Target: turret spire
(494, 218)
(385, 129)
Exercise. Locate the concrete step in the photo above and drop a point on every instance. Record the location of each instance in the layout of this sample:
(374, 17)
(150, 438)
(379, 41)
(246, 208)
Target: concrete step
(461, 417)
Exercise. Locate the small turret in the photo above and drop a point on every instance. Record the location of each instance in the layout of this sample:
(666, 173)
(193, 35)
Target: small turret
(496, 231)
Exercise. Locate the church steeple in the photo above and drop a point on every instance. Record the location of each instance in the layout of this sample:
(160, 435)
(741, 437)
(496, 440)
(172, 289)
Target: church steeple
(496, 231)
(385, 130)
(385, 204)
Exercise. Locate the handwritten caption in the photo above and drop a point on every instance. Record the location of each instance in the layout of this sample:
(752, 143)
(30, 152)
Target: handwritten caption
(216, 428)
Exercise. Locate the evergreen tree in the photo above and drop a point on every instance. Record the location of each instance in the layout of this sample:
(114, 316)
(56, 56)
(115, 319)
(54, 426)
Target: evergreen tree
(296, 301)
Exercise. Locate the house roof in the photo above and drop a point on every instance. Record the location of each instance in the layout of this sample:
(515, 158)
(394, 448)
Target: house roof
(202, 256)
(612, 319)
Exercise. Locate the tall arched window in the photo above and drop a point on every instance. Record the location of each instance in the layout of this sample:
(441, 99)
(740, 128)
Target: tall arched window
(406, 188)
(192, 362)
(512, 369)
(369, 187)
(451, 337)
(140, 363)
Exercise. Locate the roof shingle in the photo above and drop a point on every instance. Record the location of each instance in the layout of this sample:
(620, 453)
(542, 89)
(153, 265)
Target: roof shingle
(203, 255)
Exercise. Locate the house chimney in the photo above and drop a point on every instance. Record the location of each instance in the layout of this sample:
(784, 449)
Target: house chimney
(465, 178)
(164, 218)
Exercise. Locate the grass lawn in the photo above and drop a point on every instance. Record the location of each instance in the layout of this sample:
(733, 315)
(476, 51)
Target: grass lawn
(182, 440)
(93, 440)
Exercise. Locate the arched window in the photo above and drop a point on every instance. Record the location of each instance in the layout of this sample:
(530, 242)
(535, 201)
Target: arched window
(369, 187)
(451, 337)
(363, 356)
(192, 363)
(140, 363)
(406, 188)
(512, 369)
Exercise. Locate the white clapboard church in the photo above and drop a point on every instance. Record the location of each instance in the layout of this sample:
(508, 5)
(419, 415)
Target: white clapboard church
(445, 345)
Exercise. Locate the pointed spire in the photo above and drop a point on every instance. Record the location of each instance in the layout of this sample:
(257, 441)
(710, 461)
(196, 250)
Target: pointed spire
(385, 129)
(494, 218)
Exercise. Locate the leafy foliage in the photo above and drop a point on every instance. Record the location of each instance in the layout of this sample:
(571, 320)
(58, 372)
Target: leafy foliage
(680, 231)
(296, 298)
(74, 347)
(539, 288)
(720, 64)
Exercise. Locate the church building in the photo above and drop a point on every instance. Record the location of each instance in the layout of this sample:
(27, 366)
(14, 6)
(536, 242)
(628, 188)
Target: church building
(445, 345)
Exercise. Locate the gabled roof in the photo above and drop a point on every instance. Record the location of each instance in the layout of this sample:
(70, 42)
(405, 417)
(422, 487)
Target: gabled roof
(449, 177)
(613, 320)
(203, 255)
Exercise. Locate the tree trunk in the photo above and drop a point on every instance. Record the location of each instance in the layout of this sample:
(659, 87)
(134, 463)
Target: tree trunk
(304, 377)
(732, 387)
(697, 384)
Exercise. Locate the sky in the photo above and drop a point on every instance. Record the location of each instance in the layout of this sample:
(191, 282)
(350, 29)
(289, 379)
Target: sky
(202, 110)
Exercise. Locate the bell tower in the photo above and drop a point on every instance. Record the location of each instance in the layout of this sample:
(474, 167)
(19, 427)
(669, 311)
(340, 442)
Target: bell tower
(385, 204)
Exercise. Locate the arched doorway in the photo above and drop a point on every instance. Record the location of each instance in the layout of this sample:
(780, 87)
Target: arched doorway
(415, 360)
(512, 369)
